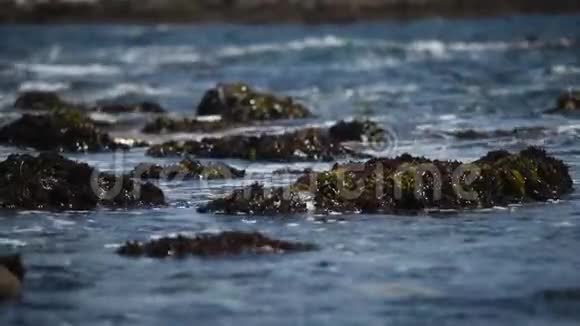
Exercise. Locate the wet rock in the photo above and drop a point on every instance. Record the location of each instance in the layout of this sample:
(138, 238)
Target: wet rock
(523, 132)
(292, 171)
(212, 245)
(187, 169)
(568, 102)
(143, 107)
(311, 144)
(408, 183)
(11, 276)
(52, 182)
(259, 201)
(41, 101)
(363, 131)
(162, 125)
(62, 130)
(238, 102)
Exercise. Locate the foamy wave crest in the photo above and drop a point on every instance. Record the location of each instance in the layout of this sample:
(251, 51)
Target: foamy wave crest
(68, 70)
(328, 41)
(565, 70)
(159, 55)
(43, 86)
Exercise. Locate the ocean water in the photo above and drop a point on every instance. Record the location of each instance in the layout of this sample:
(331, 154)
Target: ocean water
(419, 79)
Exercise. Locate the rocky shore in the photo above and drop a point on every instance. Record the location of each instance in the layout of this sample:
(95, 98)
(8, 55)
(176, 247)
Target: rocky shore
(265, 11)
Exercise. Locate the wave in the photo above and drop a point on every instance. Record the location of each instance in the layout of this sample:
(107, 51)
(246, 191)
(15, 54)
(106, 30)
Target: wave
(43, 86)
(68, 70)
(328, 41)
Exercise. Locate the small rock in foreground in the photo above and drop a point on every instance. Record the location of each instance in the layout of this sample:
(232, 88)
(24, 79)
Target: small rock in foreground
(11, 276)
(212, 245)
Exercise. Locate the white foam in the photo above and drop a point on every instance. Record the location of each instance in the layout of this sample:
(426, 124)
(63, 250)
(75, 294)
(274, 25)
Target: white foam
(12, 242)
(328, 41)
(35, 85)
(68, 70)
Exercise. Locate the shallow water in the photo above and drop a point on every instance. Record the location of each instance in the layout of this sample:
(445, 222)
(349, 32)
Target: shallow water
(420, 79)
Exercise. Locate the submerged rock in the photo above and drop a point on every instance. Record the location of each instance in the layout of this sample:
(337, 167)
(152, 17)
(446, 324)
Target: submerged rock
(568, 102)
(311, 144)
(41, 101)
(211, 245)
(523, 132)
(187, 169)
(239, 102)
(408, 183)
(52, 182)
(365, 131)
(11, 276)
(143, 107)
(62, 130)
(168, 125)
(257, 200)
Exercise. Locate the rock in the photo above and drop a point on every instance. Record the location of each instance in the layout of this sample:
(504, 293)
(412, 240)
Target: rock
(162, 125)
(238, 102)
(311, 144)
(408, 183)
(143, 107)
(52, 182)
(523, 132)
(41, 101)
(187, 169)
(363, 131)
(259, 201)
(568, 102)
(11, 276)
(212, 245)
(62, 130)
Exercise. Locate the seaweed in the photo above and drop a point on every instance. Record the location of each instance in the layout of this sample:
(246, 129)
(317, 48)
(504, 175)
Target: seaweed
(310, 144)
(212, 245)
(187, 169)
(408, 183)
(239, 102)
(52, 182)
(63, 129)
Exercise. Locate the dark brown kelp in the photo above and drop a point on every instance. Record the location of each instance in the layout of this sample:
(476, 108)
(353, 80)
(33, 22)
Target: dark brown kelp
(211, 245)
(408, 183)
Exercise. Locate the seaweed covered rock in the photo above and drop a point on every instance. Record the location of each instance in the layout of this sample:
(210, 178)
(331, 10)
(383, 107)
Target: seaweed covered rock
(311, 144)
(522, 132)
(239, 102)
(65, 130)
(163, 125)
(212, 245)
(364, 131)
(257, 200)
(408, 183)
(568, 102)
(11, 276)
(187, 169)
(143, 107)
(41, 101)
(52, 182)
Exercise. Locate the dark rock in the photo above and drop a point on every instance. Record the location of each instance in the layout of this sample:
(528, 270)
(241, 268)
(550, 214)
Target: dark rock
(63, 130)
(238, 102)
(167, 125)
(523, 132)
(257, 200)
(292, 171)
(187, 169)
(212, 245)
(41, 101)
(143, 107)
(408, 183)
(357, 131)
(13, 263)
(52, 182)
(312, 144)
(568, 102)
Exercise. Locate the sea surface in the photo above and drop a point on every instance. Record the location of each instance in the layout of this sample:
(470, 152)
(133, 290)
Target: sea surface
(420, 79)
